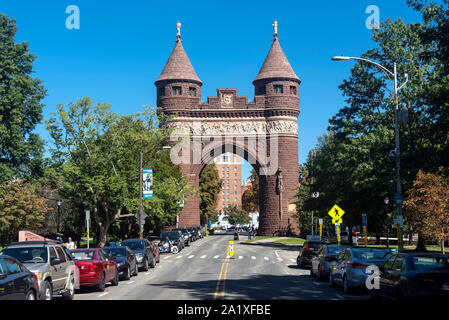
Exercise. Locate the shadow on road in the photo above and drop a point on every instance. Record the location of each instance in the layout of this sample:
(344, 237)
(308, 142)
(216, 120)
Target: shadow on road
(273, 245)
(256, 287)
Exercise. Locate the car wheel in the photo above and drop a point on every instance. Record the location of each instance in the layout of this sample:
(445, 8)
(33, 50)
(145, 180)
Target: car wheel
(174, 249)
(346, 287)
(30, 295)
(70, 290)
(115, 280)
(47, 291)
(298, 260)
(331, 280)
(102, 285)
(153, 263)
(128, 273)
(145, 265)
(136, 270)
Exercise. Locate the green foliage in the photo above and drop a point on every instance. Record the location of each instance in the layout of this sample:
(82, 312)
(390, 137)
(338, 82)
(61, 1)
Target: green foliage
(95, 165)
(250, 198)
(236, 215)
(21, 208)
(20, 109)
(210, 188)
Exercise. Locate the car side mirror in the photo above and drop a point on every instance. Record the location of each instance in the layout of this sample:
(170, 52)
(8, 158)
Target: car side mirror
(3, 276)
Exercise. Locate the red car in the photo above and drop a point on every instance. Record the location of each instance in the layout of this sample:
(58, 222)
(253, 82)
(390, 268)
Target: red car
(155, 248)
(95, 269)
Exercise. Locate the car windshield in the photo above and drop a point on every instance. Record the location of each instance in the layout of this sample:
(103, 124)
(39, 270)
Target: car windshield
(369, 254)
(170, 235)
(315, 245)
(335, 250)
(133, 245)
(28, 254)
(115, 252)
(84, 255)
(424, 263)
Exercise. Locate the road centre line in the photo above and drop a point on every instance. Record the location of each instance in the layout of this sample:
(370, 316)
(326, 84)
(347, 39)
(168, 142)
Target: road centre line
(219, 278)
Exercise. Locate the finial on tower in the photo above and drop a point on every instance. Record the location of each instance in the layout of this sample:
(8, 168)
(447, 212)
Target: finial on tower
(275, 25)
(178, 27)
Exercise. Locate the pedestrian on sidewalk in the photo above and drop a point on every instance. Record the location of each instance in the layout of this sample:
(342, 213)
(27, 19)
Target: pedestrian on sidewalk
(250, 229)
(253, 232)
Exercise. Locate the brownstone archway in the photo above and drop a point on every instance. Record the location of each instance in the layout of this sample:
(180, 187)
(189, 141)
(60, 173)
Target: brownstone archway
(263, 132)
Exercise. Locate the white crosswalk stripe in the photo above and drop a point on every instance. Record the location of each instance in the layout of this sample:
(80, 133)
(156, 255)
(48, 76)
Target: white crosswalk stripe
(280, 259)
(253, 257)
(190, 257)
(216, 257)
(240, 257)
(202, 257)
(266, 258)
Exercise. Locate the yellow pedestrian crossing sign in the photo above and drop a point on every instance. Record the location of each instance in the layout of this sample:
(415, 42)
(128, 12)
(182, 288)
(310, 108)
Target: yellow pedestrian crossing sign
(231, 249)
(336, 213)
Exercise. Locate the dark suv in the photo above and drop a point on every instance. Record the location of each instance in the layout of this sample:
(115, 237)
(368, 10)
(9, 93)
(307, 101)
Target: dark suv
(307, 252)
(186, 235)
(144, 252)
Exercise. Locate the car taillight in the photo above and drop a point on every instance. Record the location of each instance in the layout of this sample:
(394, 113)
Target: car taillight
(36, 281)
(357, 265)
(307, 249)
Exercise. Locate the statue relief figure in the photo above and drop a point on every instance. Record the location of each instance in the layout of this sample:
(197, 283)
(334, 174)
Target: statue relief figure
(280, 181)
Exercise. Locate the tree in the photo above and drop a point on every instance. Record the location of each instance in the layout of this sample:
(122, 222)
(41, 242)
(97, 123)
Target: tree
(20, 208)
(250, 198)
(210, 188)
(21, 150)
(236, 215)
(427, 207)
(95, 164)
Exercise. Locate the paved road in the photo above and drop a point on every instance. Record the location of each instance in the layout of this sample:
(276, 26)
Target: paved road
(202, 271)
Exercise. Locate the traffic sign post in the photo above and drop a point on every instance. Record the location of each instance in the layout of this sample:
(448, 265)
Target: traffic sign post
(365, 227)
(88, 226)
(337, 231)
(231, 249)
(321, 228)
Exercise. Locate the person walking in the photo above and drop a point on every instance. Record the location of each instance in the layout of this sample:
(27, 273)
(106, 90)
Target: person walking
(250, 229)
(253, 232)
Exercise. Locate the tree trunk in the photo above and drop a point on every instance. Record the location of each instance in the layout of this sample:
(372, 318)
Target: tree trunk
(102, 238)
(442, 247)
(421, 246)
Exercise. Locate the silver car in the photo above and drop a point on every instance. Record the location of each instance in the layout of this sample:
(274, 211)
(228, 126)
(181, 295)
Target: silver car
(350, 269)
(53, 265)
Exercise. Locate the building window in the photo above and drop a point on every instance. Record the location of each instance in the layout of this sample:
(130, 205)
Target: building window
(227, 168)
(162, 91)
(278, 88)
(235, 193)
(225, 158)
(235, 199)
(236, 174)
(235, 168)
(177, 91)
(293, 90)
(228, 182)
(192, 92)
(235, 180)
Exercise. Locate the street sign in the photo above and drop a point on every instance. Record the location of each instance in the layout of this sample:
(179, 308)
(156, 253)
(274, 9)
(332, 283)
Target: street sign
(147, 179)
(398, 199)
(336, 213)
(398, 219)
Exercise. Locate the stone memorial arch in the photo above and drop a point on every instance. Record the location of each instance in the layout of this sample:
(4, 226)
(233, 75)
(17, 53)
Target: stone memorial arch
(263, 132)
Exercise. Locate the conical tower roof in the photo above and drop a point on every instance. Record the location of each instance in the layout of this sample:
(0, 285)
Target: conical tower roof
(276, 64)
(178, 66)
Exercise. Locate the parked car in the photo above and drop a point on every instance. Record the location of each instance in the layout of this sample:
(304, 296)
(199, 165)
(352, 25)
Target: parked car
(194, 232)
(200, 231)
(50, 262)
(181, 237)
(126, 261)
(155, 250)
(307, 252)
(350, 269)
(96, 269)
(172, 236)
(186, 235)
(16, 281)
(413, 275)
(321, 263)
(144, 252)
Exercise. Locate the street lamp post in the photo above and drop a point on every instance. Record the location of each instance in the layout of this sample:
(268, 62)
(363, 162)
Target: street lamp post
(142, 154)
(386, 201)
(393, 76)
(58, 218)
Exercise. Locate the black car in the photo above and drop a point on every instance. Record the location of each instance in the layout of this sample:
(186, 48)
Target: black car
(126, 260)
(173, 236)
(143, 250)
(16, 281)
(200, 231)
(412, 276)
(196, 234)
(307, 252)
(186, 234)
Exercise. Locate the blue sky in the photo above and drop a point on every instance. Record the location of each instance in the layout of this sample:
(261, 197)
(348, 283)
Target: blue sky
(122, 47)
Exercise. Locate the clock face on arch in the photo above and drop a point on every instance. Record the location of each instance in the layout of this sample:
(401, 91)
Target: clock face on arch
(226, 100)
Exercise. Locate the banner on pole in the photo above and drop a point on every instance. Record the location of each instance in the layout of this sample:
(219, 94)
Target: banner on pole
(147, 179)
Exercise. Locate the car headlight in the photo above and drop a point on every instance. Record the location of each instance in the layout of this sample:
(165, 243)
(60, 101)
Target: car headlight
(139, 256)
